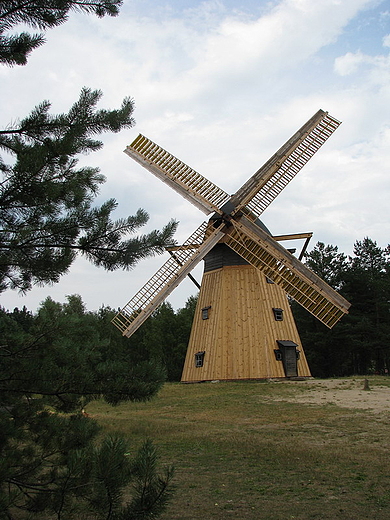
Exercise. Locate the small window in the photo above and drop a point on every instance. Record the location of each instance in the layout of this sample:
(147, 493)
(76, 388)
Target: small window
(205, 312)
(199, 359)
(278, 314)
(278, 355)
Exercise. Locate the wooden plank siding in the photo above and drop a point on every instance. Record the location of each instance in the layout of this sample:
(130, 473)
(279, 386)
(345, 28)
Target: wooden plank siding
(240, 335)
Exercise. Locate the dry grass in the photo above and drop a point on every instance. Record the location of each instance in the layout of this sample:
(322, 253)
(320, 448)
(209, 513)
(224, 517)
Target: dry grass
(256, 450)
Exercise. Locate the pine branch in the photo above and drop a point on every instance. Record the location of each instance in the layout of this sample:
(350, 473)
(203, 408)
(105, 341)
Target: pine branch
(41, 14)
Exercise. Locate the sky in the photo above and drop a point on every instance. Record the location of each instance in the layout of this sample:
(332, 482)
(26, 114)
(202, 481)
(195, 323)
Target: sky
(222, 84)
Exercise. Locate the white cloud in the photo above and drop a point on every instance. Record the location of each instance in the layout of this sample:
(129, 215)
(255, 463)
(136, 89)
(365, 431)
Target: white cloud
(352, 63)
(222, 89)
(349, 63)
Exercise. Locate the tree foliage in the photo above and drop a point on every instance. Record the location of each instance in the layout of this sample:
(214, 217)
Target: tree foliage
(42, 15)
(164, 337)
(52, 364)
(358, 344)
(328, 263)
(54, 462)
(46, 201)
(47, 214)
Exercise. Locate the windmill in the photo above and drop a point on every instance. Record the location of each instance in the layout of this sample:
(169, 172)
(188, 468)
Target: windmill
(243, 326)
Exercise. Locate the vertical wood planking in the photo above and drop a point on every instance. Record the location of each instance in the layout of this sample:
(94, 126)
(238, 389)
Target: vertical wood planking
(239, 338)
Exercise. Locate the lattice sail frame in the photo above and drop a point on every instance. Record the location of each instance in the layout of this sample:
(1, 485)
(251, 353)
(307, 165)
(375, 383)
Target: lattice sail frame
(167, 278)
(236, 226)
(304, 286)
(201, 192)
(266, 184)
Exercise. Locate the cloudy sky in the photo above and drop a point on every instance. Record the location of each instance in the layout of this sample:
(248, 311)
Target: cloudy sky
(222, 84)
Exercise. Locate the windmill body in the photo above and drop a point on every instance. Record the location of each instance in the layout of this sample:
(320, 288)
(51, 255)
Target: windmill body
(239, 319)
(243, 326)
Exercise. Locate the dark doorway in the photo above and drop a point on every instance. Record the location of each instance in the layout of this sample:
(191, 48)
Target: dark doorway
(289, 357)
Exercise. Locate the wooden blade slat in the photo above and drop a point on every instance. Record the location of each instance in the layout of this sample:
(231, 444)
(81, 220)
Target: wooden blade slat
(264, 186)
(260, 250)
(204, 194)
(167, 278)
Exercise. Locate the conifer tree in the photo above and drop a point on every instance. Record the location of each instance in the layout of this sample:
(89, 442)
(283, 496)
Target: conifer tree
(46, 201)
(358, 343)
(42, 15)
(52, 364)
(367, 286)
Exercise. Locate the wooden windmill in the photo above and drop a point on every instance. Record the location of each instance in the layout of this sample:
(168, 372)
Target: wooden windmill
(243, 326)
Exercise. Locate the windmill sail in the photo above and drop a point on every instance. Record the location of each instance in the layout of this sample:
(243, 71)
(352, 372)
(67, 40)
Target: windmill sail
(201, 192)
(243, 326)
(264, 186)
(166, 279)
(310, 291)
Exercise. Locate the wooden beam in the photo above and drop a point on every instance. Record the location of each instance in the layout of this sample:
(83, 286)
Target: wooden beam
(264, 185)
(182, 247)
(160, 286)
(193, 280)
(305, 245)
(191, 185)
(308, 289)
(294, 236)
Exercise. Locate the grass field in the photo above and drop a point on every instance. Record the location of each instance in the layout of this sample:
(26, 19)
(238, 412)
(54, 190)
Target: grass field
(245, 451)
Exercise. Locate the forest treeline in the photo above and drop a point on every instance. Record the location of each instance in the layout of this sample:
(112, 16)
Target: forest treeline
(358, 344)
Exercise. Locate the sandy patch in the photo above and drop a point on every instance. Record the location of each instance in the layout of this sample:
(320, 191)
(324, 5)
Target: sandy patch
(348, 393)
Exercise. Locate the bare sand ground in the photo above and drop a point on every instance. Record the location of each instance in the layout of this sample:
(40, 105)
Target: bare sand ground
(348, 393)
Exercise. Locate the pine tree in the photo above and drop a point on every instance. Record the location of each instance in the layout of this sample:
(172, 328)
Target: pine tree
(328, 263)
(358, 343)
(53, 363)
(46, 201)
(367, 286)
(40, 14)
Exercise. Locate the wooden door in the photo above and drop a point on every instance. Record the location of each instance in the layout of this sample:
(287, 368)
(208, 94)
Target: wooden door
(290, 361)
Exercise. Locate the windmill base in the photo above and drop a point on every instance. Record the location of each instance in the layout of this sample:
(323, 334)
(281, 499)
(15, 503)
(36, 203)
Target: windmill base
(254, 380)
(243, 329)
